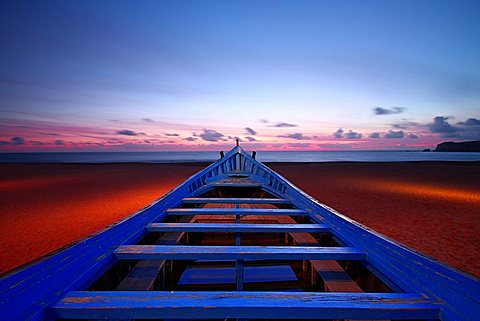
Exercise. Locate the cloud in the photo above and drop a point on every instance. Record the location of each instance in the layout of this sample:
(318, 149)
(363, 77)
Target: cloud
(250, 139)
(284, 125)
(442, 126)
(338, 133)
(394, 134)
(49, 134)
(469, 129)
(350, 135)
(412, 136)
(405, 125)
(299, 145)
(172, 134)
(148, 120)
(470, 122)
(59, 142)
(374, 135)
(250, 131)
(127, 132)
(297, 136)
(353, 135)
(265, 121)
(337, 146)
(17, 140)
(211, 135)
(388, 111)
(35, 142)
(190, 139)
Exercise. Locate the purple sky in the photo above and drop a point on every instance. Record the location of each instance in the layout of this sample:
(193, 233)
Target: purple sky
(281, 75)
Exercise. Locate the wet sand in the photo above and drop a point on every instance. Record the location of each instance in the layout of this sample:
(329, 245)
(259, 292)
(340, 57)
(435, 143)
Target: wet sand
(433, 207)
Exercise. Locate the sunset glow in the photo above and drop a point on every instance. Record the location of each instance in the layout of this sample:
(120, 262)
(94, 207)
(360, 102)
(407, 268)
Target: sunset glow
(434, 192)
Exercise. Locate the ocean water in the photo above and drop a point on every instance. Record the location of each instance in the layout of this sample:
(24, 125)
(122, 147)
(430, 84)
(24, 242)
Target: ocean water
(186, 157)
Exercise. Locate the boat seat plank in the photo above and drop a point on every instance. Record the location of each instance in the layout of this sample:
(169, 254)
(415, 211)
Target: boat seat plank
(334, 276)
(204, 200)
(184, 252)
(236, 211)
(234, 184)
(142, 276)
(271, 305)
(252, 228)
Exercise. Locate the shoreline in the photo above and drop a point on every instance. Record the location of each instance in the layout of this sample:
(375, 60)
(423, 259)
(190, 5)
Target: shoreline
(428, 206)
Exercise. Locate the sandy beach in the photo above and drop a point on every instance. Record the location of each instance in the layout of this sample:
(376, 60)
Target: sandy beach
(431, 207)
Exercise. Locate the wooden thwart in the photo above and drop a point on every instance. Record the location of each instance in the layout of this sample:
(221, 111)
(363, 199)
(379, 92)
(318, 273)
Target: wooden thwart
(334, 276)
(183, 252)
(271, 305)
(236, 211)
(227, 184)
(204, 200)
(244, 228)
(142, 276)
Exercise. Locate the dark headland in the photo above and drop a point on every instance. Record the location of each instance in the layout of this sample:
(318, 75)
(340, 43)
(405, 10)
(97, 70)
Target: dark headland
(471, 146)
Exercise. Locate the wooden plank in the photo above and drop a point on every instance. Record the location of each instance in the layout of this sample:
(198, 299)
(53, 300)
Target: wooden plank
(142, 276)
(234, 184)
(220, 305)
(283, 286)
(244, 228)
(184, 252)
(201, 200)
(334, 276)
(236, 211)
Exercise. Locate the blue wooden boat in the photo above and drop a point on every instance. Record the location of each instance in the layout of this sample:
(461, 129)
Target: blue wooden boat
(238, 241)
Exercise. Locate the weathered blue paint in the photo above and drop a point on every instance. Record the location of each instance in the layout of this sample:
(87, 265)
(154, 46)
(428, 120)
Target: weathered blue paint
(221, 184)
(239, 264)
(244, 228)
(271, 305)
(236, 211)
(27, 292)
(199, 252)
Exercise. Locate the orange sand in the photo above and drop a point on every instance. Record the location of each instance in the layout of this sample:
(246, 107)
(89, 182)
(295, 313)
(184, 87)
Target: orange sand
(432, 207)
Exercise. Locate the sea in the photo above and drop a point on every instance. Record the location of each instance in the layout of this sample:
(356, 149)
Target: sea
(267, 156)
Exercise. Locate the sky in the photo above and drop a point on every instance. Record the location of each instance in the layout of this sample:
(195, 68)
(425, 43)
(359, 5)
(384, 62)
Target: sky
(279, 75)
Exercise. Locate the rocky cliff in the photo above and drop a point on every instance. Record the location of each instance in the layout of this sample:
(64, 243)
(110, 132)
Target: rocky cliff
(472, 146)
